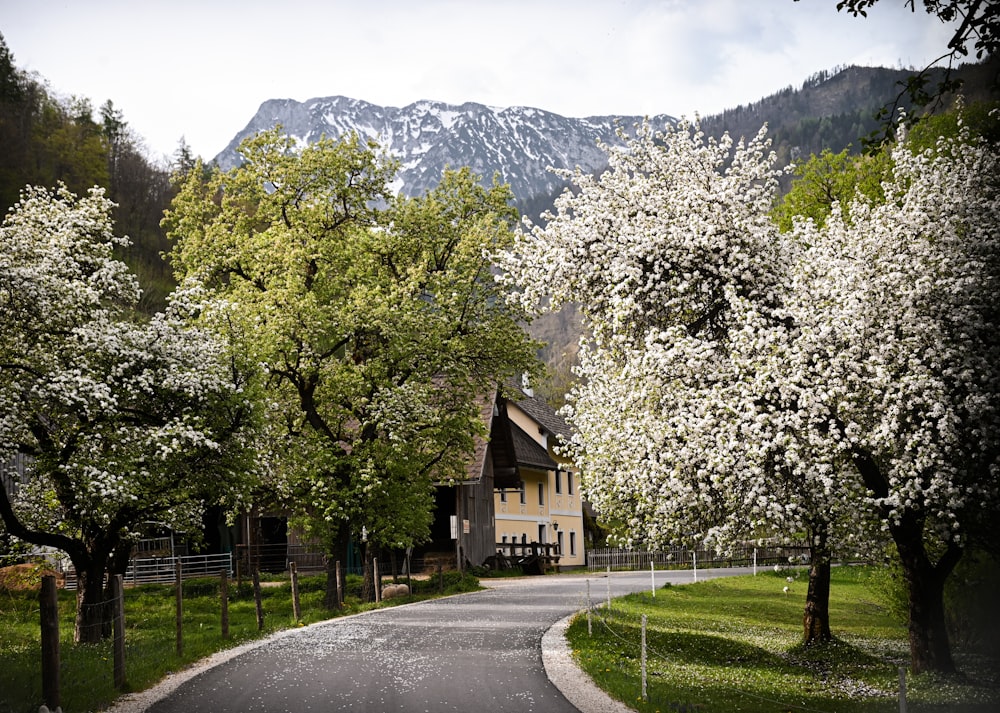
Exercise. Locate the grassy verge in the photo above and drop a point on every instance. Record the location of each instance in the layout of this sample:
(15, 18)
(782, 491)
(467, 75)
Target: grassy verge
(735, 645)
(86, 672)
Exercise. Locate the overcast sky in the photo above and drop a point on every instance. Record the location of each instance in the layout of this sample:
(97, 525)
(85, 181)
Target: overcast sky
(201, 68)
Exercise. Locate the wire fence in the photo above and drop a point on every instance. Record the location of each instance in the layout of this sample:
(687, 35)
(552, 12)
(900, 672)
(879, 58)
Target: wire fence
(628, 629)
(132, 629)
(682, 557)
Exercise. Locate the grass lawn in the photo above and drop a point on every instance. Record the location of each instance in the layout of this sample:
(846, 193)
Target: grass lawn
(86, 671)
(735, 645)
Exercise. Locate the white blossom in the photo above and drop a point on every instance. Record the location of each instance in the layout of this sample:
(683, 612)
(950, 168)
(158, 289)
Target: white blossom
(729, 374)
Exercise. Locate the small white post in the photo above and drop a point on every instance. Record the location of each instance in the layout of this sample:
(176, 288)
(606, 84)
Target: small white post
(754, 561)
(652, 578)
(694, 561)
(590, 631)
(609, 588)
(902, 689)
(644, 657)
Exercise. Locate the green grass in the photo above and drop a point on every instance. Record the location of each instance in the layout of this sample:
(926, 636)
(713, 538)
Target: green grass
(86, 671)
(735, 645)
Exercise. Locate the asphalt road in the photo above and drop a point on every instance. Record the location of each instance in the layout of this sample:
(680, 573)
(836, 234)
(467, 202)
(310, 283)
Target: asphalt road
(479, 652)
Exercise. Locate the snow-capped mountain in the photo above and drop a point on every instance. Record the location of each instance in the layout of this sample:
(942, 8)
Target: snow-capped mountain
(519, 143)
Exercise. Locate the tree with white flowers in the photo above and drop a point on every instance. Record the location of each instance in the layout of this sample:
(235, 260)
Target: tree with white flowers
(738, 381)
(896, 305)
(124, 420)
(679, 271)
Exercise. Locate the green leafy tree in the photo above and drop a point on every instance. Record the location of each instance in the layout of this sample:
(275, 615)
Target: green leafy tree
(374, 316)
(123, 421)
(828, 179)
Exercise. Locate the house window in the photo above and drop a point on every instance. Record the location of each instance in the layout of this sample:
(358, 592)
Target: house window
(503, 496)
(572, 543)
(541, 493)
(559, 538)
(541, 532)
(524, 495)
(569, 482)
(558, 482)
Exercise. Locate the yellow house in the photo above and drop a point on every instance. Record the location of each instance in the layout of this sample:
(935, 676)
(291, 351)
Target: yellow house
(547, 507)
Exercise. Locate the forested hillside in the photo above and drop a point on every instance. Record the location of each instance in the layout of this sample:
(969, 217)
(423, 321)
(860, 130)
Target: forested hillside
(47, 139)
(837, 109)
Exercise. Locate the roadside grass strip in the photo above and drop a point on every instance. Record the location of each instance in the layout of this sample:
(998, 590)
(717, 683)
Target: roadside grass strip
(734, 644)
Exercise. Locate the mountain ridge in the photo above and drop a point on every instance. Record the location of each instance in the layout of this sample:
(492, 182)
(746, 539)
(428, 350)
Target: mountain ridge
(518, 143)
(831, 109)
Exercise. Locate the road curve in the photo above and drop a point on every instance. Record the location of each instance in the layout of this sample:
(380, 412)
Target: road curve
(473, 652)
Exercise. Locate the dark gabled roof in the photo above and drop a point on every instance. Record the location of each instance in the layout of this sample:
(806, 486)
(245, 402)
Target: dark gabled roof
(498, 445)
(528, 451)
(505, 462)
(475, 467)
(544, 414)
(509, 447)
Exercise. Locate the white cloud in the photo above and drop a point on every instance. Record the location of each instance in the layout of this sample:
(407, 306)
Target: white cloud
(200, 69)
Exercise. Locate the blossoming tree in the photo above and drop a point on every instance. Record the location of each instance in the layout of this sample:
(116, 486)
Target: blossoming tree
(683, 430)
(373, 315)
(736, 380)
(896, 304)
(125, 421)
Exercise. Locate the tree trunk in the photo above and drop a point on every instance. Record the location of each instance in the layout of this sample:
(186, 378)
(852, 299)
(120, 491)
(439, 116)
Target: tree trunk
(816, 619)
(368, 585)
(93, 610)
(930, 649)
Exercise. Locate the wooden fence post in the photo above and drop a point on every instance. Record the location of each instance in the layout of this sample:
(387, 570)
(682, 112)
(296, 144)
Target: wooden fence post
(118, 618)
(376, 580)
(180, 609)
(48, 599)
(224, 596)
(256, 599)
(296, 609)
(340, 585)
(440, 579)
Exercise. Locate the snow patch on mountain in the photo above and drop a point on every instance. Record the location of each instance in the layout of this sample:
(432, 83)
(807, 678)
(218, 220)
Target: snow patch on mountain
(520, 144)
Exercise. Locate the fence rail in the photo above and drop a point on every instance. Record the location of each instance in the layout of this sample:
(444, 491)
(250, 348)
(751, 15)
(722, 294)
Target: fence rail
(278, 557)
(265, 558)
(162, 570)
(624, 559)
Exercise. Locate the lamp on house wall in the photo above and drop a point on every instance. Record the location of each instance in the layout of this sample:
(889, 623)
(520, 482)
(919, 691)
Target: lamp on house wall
(555, 526)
